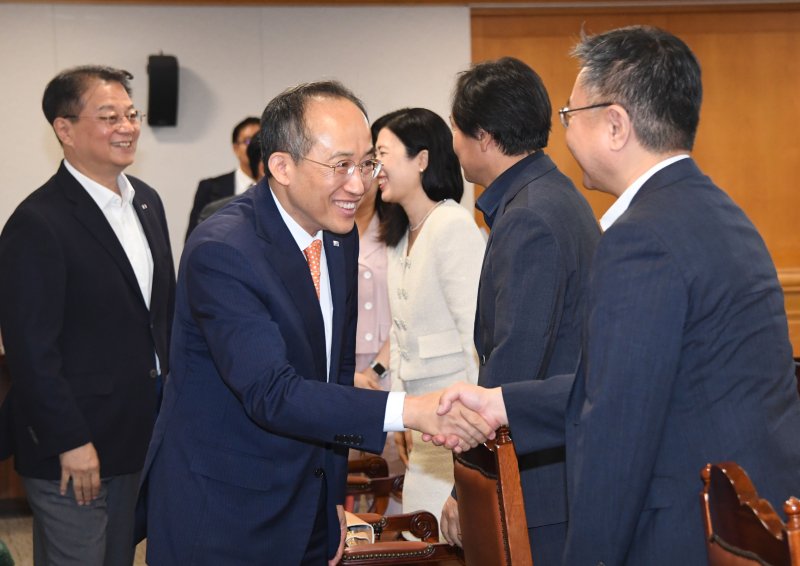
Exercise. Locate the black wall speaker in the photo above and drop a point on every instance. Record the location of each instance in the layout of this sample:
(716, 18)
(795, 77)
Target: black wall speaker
(162, 100)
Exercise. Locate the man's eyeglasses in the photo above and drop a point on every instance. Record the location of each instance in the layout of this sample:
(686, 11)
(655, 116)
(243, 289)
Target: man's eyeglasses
(134, 117)
(564, 113)
(369, 169)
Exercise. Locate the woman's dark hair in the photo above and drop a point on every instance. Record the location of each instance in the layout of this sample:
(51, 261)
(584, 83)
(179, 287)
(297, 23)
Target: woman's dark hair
(421, 129)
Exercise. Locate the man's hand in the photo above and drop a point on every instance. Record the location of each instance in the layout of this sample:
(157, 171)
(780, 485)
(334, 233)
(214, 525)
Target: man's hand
(343, 526)
(83, 467)
(460, 427)
(488, 403)
(367, 380)
(449, 525)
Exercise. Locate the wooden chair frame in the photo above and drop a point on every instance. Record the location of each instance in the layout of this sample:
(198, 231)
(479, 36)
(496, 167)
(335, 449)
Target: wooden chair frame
(742, 528)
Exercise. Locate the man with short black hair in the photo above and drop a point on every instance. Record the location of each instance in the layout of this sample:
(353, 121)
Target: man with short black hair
(86, 299)
(230, 184)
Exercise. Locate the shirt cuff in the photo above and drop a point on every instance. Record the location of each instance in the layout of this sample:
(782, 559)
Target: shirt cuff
(393, 419)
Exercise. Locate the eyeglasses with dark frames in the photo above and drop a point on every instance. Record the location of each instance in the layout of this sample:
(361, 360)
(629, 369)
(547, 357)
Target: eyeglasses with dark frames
(563, 113)
(369, 169)
(134, 118)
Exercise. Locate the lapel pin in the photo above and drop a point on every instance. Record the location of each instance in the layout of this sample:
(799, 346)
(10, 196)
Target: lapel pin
(144, 206)
(336, 243)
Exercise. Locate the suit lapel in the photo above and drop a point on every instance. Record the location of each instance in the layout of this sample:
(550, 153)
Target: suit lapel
(290, 264)
(667, 176)
(89, 214)
(151, 227)
(336, 273)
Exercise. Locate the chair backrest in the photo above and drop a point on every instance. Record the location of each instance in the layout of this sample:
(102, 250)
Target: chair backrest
(378, 490)
(490, 505)
(742, 529)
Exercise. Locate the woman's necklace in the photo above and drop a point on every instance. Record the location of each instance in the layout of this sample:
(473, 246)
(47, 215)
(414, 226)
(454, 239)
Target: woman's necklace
(424, 218)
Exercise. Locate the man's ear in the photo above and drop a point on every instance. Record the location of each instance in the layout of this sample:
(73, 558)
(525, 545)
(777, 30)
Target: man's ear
(281, 167)
(619, 124)
(63, 130)
(485, 140)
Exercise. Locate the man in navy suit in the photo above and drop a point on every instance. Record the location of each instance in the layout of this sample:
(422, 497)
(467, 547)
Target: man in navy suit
(532, 294)
(688, 359)
(248, 461)
(86, 300)
(230, 184)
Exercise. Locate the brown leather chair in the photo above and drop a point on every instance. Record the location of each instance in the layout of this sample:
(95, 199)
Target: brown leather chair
(494, 529)
(742, 529)
(389, 551)
(378, 490)
(493, 525)
(368, 480)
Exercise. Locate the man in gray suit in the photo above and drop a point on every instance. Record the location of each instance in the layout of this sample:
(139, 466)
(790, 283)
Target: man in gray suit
(687, 359)
(531, 299)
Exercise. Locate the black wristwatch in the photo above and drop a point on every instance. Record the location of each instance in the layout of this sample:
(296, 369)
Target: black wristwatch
(378, 368)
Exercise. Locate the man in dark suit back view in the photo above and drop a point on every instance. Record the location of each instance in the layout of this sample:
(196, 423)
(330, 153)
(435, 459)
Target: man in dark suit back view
(86, 300)
(688, 358)
(532, 294)
(230, 184)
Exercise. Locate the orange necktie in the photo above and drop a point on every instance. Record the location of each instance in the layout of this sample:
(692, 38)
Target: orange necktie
(313, 253)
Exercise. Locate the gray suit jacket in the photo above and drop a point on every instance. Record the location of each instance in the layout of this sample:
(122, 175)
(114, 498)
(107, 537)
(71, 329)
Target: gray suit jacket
(531, 307)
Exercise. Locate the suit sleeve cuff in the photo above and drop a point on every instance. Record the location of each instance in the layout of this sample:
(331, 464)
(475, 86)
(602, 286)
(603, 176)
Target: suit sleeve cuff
(393, 419)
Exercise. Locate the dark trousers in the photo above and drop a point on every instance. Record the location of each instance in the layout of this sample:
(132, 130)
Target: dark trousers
(97, 534)
(317, 549)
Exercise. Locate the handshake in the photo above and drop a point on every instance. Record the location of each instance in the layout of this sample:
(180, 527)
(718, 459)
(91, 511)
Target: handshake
(459, 417)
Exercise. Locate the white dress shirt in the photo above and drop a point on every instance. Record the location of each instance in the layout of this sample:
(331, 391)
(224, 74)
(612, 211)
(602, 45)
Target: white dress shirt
(118, 211)
(393, 417)
(624, 201)
(241, 182)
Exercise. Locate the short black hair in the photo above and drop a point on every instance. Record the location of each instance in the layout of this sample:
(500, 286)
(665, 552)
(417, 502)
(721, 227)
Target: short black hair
(507, 99)
(254, 156)
(421, 129)
(653, 75)
(283, 125)
(249, 121)
(63, 95)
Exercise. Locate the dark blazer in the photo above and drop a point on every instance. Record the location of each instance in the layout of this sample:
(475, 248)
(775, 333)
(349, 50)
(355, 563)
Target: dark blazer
(208, 191)
(531, 305)
(250, 433)
(688, 361)
(79, 337)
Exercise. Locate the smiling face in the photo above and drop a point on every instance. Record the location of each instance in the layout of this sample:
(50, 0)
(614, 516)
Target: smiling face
(401, 176)
(317, 197)
(99, 151)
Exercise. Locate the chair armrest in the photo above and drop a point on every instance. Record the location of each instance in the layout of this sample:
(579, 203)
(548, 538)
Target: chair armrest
(421, 524)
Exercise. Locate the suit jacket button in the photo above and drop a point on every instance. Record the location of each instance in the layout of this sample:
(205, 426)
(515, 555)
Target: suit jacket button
(153, 373)
(359, 439)
(319, 473)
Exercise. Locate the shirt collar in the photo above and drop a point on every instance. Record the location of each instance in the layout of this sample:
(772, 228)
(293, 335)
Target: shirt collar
(489, 202)
(624, 201)
(241, 182)
(100, 194)
(301, 237)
